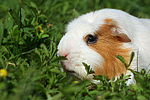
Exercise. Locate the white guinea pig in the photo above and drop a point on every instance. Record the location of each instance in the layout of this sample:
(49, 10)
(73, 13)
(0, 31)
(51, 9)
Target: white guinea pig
(97, 37)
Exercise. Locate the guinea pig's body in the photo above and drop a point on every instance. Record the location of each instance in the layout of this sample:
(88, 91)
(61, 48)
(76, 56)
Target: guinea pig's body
(97, 37)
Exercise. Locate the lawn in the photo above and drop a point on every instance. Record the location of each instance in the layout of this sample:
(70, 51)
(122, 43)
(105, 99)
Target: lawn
(30, 31)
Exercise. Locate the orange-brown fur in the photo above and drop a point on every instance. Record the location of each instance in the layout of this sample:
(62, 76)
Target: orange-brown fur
(108, 46)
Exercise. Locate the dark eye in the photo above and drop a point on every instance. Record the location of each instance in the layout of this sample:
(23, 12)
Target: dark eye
(91, 39)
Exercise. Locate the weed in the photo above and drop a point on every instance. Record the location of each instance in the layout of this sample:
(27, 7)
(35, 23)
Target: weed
(29, 33)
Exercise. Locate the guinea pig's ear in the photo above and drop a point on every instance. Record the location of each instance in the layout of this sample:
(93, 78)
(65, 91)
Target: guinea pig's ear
(122, 37)
(116, 31)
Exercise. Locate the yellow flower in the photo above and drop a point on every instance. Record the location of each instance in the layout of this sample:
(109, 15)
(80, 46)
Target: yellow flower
(41, 31)
(75, 82)
(40, 27)
(49, 25)
(36, 23)
(3, 72)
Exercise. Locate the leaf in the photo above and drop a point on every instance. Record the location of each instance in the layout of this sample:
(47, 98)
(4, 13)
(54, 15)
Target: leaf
(37, 52)
(1, 32)
(55, 70)
(60, 58)
(131, 58)
(28, 29)
(75, 13)
(105, 95)
(91, 71)
(22, 15)
(15, 16)
(134, 72)
(33, 5)
(9, 24)
(15, 27)
(4, 49)
(87, 98)
(2, 65)
(99, 77)
(141, 97)
(122, 60)
(45, 36)
(42, 16)
(3, 11)
(45, 50)
(87, 67)
(38, 77)
(94, 92)
(33, 21)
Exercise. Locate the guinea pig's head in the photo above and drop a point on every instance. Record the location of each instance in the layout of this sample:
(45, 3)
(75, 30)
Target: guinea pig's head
(94, 40)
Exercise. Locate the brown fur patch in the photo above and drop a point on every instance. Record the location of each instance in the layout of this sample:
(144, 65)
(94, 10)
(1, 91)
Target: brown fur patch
(108, 46)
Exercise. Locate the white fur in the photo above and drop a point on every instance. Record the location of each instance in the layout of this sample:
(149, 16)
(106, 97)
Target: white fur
(77, 51)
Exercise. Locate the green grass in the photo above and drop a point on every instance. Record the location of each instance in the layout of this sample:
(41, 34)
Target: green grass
(30, 31)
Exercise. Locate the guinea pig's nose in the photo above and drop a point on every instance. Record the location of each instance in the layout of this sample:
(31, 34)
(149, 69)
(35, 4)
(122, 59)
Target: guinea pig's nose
(60, 53)
(66, 55)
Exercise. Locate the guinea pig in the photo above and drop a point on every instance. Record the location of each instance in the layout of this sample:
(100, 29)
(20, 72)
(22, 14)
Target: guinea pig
(95, 38)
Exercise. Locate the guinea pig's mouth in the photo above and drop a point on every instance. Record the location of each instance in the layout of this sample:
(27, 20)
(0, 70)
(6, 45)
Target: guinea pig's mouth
(70, 71)
(66, 70)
